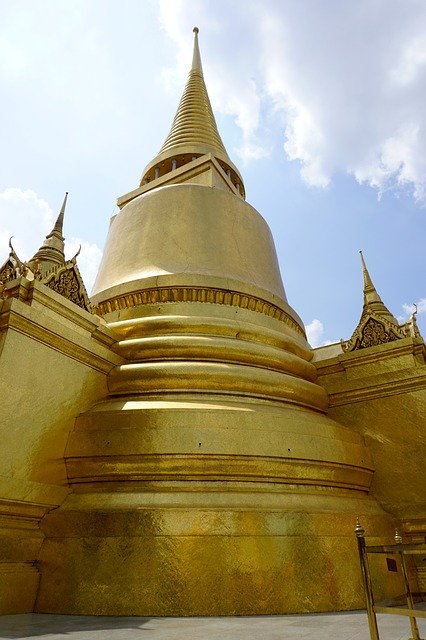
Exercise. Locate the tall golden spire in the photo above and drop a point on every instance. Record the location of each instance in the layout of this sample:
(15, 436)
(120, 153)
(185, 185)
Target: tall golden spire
(194, 122)
(52, 250)
(194, 131)
(372, 300)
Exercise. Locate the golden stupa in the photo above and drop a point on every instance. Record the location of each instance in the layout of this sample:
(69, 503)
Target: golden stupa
(175, 446)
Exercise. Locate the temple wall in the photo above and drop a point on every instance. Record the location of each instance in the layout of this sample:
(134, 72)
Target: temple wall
(54, 358)
(380, 392)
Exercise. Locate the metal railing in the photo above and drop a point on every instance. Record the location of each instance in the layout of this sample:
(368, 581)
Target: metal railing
(400, 550)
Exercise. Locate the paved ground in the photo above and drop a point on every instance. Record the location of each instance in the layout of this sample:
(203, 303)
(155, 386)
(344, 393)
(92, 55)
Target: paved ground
(337, 626)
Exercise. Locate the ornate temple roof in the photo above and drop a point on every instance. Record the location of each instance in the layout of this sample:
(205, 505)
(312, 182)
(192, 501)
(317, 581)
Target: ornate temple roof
(377, 325)
(48, 266)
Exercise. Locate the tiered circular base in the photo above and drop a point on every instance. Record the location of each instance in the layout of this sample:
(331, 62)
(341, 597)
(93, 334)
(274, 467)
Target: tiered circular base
(210, 482)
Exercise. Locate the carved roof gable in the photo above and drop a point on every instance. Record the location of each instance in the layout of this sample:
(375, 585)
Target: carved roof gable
(67, 281)
(371, 331)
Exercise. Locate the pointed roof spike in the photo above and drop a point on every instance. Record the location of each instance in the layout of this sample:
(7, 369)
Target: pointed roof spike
(194, 130)
(52, 249)
(370, 293)
(60, 219)
(372, 300)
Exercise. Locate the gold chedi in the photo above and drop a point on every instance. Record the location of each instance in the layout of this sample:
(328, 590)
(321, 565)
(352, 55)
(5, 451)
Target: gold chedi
(210, 481)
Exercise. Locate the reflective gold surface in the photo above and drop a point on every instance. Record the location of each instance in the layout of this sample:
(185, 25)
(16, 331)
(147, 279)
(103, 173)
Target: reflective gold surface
(178, 456)
(210, 481)
(53, 363)
(219, 562)
(214, 239)
(381, 394)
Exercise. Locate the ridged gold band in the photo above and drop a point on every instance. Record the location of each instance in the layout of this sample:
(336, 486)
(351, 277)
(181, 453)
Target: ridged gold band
(214, 468)
(217, 378)
(197, 294)
(214, 348)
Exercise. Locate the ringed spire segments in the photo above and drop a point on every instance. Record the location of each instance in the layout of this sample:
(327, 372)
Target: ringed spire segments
(194, 131)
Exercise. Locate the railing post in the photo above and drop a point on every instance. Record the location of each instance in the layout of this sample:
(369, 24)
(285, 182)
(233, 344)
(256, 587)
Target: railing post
(366, 579)
(410, 603)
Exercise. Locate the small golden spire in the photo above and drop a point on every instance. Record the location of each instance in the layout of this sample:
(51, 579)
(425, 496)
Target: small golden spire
(57, 229)
(52, 251)
(370, 293)
(372, 300)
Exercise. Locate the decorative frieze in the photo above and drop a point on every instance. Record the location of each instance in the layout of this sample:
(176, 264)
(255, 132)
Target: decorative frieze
(68, 283)
(197, 294)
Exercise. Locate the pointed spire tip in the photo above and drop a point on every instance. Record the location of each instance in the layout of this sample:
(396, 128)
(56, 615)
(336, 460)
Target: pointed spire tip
(196, 59)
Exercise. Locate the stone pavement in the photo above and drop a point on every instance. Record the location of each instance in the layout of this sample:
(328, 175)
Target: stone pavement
(335, 626)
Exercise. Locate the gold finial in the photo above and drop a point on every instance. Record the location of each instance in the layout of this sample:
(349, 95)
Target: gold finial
(196, 57)
(359, 531)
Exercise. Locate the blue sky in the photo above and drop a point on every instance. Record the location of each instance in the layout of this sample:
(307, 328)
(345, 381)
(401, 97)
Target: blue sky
(319, 104)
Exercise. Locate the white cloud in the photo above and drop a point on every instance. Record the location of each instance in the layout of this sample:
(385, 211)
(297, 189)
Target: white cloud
(29, 218)
(26, 217)
(412, 62)
(344, 111)
(348, 82)
(230, 90)
(315, 332)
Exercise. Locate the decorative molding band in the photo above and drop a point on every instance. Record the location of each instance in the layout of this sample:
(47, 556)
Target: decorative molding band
(27, 514)
(374, 392)
(18, 567)
(197, 294)
(215, 468)
(67, 347)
